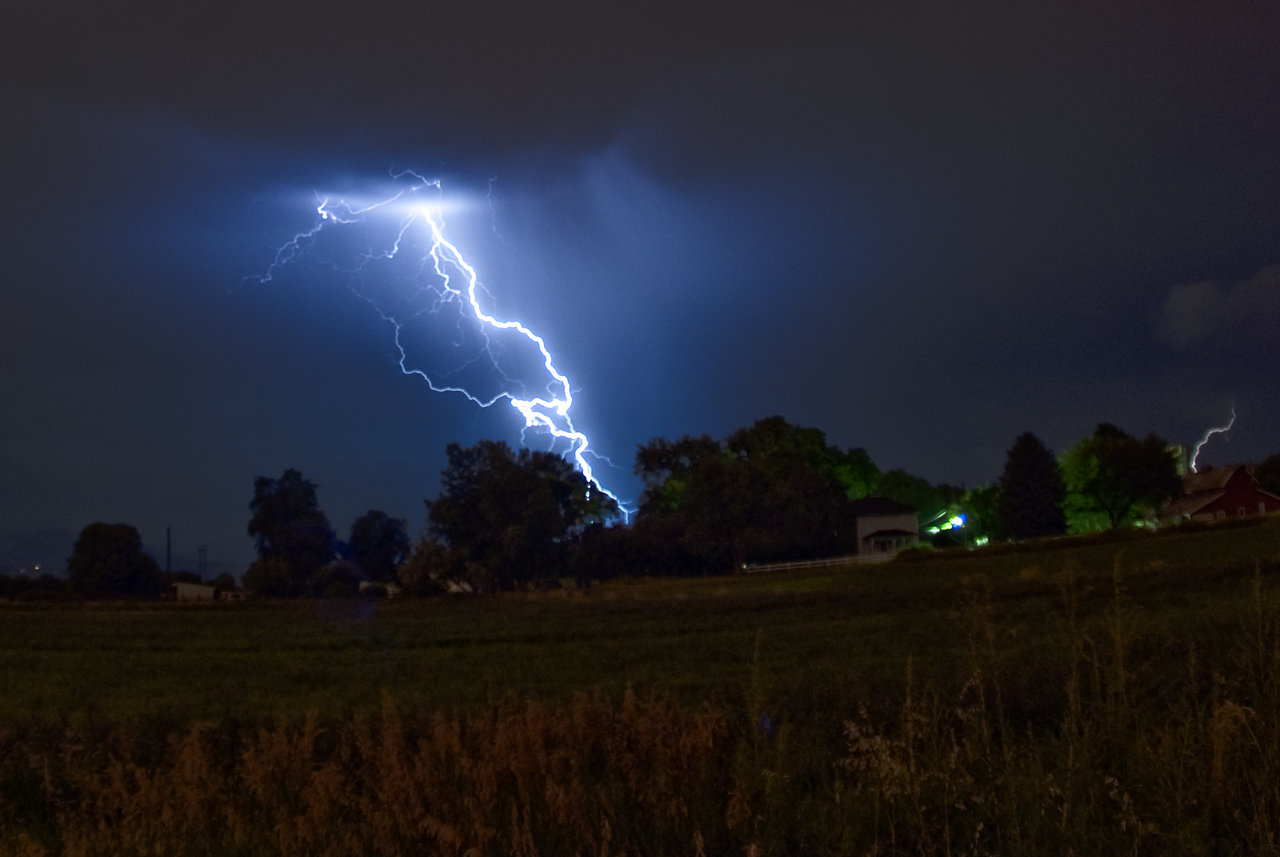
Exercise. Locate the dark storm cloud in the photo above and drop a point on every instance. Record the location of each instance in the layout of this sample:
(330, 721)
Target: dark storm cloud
(1014, 190)
(923, 228)
(394, 78)
(1241, 316)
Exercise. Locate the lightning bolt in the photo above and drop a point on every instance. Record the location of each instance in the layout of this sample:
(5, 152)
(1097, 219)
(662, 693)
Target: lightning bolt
(442, 287)
(1210, 433)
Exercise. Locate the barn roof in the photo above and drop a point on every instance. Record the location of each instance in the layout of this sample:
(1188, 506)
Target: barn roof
(1213, 479)
(1192, 503)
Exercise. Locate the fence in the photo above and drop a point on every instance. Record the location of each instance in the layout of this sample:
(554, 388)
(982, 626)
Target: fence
(796, 565)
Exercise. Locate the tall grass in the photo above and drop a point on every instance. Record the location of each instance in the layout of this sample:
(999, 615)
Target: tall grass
(586, 777)
(1190, 767)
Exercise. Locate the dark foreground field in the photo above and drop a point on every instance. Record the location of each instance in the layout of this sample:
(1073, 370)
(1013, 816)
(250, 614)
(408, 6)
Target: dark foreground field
(1088, 698)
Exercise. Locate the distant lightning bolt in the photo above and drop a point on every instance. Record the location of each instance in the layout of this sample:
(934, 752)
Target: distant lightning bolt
(446, 279)
(1210, 433)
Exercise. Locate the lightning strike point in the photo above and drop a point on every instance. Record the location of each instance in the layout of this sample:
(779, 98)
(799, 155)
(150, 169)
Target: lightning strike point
(1210, 433)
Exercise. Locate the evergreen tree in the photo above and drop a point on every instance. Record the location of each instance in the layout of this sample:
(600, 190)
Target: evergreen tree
(1268, 474)
(1029, 504)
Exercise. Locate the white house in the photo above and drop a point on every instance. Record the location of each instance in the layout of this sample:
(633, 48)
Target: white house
(192, 591)
(182, 591)
(884, 527)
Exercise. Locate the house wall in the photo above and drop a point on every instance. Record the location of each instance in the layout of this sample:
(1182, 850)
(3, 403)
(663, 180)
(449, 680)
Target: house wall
(868, 524)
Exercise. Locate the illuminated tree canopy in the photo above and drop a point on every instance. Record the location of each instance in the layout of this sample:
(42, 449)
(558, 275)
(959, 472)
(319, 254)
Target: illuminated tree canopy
(1113, 478)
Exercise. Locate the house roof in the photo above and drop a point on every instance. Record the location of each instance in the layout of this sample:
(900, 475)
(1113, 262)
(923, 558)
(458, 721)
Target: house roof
(871, 507)
(881, 534)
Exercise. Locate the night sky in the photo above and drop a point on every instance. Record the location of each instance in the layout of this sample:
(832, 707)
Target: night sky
(923, 228)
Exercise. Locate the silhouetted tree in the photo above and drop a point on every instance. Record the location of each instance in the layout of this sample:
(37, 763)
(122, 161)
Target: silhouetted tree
(1113, 478)
(508, 517)
(667, 467)
(605, 553)
(769, 491)
(427, 569)
(338, 579)
(1031, 492)
(224, 582)
(1268, 474)
(779, 446)
(289, 527)
(44, 587)
(108, 561)
(727, 520)
(931, 502)
(378, 544)
(655, 545)
(270, 577)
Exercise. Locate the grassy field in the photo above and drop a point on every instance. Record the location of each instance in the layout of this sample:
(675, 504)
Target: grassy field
(799, 638)
(1091, 692)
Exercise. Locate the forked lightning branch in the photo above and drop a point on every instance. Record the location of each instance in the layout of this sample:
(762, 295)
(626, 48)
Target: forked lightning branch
(393, 253)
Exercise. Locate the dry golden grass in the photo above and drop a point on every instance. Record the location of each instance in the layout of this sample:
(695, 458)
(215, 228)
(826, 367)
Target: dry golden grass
(588, 778)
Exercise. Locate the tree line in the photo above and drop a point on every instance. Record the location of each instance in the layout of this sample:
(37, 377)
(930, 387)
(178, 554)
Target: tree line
(298, 554)
(1107, 480)
(507, 519)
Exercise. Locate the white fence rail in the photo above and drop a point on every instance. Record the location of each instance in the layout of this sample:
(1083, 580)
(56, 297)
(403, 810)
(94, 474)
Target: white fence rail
(796, 565)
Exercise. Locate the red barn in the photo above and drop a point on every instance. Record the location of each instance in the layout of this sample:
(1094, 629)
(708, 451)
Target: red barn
(1220, 493)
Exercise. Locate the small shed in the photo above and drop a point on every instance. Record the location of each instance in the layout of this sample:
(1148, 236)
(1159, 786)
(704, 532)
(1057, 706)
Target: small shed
(182, 591)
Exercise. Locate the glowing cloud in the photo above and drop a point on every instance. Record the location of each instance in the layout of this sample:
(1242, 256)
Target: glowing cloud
(433, 299)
